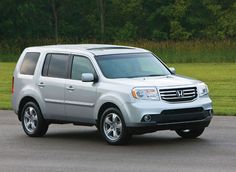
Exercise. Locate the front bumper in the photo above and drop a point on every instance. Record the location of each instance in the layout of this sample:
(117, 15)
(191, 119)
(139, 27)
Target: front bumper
(134, 112)
(175, 122)
(168, 116)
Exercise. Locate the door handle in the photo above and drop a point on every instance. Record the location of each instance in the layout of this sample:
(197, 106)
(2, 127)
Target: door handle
(70, 88)
(41, 84)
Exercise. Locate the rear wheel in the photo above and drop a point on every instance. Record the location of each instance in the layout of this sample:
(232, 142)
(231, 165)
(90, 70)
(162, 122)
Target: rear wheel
(32, 120)
(113, 128)
(190, 133)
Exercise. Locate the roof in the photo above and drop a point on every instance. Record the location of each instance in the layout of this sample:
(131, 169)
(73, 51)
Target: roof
(96, 49)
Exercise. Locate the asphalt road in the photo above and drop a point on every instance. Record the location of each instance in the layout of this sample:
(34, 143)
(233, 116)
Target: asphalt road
(74, 148)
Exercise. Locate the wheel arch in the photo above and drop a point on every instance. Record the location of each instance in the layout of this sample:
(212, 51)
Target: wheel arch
(23, 101)
(103, 107)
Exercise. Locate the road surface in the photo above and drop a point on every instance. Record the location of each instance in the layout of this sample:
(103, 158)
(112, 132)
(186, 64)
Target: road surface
(68, 148)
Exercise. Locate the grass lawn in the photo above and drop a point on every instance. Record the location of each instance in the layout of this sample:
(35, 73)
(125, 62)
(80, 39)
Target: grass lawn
(6, 73)
(221, 79)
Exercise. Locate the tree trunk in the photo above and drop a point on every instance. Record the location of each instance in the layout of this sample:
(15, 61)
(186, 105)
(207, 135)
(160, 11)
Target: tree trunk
(102, 19)
(55, 15)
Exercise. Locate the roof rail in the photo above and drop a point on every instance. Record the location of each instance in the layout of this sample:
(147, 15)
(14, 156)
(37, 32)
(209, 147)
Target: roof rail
(109, 48)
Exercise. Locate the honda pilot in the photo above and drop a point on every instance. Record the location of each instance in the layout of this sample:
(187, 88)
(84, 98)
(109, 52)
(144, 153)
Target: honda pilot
(119, 89)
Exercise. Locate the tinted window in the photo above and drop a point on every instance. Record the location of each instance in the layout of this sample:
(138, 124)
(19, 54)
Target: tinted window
(46, 64)
(81, 65)
(57, 65)
(29, 63)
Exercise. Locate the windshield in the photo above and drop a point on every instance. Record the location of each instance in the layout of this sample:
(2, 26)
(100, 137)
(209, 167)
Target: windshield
(131, 65)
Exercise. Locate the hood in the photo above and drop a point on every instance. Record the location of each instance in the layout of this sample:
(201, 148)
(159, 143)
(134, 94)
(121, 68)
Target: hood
(160, 81)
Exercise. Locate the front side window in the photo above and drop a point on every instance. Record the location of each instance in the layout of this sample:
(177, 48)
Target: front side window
(81, 65)
(29, 63)
(56, 65)
(131, 65)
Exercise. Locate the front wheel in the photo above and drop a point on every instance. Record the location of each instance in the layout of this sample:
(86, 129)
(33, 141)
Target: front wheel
(113, 128)
(32, 120)
(190, 133)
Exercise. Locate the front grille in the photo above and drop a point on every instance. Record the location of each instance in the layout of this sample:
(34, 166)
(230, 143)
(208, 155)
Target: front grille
(178, 94)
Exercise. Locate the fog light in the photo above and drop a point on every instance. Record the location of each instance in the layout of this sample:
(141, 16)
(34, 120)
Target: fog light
(147, 118)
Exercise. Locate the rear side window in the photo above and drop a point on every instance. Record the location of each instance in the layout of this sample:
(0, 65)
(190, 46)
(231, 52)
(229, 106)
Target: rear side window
(56, 65)
(29, 63)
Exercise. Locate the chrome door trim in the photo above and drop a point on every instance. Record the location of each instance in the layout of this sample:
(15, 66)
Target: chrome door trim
(79, 103)
(54, 101)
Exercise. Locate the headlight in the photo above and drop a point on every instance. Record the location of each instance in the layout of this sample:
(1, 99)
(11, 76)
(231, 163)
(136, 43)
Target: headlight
(145, 93)
(202, 89)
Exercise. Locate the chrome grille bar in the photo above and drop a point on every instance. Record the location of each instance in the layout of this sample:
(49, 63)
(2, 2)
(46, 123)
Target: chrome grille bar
(178, 94)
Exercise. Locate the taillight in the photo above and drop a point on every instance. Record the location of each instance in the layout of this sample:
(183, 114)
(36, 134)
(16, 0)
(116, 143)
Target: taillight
(12, 85)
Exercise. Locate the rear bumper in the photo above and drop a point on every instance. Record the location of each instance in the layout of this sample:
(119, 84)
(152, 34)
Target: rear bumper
(179, 121)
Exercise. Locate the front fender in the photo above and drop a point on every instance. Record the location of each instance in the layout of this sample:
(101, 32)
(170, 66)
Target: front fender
(115, 99)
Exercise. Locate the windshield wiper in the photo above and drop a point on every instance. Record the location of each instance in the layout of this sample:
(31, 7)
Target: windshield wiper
(155, 75)
(136, 76)
(139, 76)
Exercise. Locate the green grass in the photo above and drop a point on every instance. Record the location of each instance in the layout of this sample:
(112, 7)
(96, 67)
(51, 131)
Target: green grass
(221, 79)
(6, 73)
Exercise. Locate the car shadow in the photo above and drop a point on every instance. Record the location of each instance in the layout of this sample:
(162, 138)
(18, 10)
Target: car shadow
(90, 135)
(163, 140)
(94, 137)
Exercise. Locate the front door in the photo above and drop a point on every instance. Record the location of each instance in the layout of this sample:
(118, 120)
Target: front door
(80, 97)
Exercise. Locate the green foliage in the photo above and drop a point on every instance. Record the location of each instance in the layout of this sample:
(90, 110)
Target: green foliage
(125, 20)
(128, 32)
(170, 28)
(177, 32)
(159, 35)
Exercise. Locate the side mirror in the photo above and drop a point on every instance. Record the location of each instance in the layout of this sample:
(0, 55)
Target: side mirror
(172, 70)
(87, 77)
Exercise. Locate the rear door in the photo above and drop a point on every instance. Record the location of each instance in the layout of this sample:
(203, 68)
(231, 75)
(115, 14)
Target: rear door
(80, 97)
(52, 84)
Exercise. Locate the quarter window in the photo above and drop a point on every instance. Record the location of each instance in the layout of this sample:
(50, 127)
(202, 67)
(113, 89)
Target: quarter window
(29, 63)
(81, 65)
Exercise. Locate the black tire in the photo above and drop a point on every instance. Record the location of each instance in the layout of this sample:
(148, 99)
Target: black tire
(31, 113)
(190, 133)
(124, 135)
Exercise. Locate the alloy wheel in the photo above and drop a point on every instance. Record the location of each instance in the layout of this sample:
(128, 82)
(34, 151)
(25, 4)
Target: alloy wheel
(112, 126)
(30, 119)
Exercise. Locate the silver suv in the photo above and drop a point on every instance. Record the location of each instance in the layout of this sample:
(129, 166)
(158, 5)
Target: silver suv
(121, 90)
